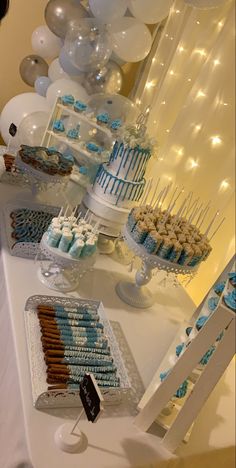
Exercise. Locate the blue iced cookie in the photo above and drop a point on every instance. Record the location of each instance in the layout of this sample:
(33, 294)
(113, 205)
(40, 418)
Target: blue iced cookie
(68, 100)
(115, 124)
(219, 287)
(179, 348)
(232, 278)
(93, 148)
(80, 106)
(188, 330)
(73, 133)
(103, 118)
(207, 355)
(201, 321)
(230, 300)
(213, 303)
(58, 126)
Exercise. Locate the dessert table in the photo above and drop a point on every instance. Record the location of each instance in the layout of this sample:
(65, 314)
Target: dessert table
(27, 434)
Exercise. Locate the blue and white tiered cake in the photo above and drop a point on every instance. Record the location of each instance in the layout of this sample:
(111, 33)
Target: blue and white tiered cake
(120, 183)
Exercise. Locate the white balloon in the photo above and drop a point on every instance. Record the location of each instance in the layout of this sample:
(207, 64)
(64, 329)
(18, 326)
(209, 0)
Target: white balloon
(18, 108)
(205, 4)
(45, 43)
(150, 11)
(108, 10)
(65, 86)
(32, 128)
(56, 72)
(130, 39)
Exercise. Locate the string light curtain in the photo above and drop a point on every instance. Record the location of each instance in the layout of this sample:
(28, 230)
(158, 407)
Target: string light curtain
(189, 83)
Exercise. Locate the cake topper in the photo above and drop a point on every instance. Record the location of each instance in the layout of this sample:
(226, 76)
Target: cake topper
(142, 120)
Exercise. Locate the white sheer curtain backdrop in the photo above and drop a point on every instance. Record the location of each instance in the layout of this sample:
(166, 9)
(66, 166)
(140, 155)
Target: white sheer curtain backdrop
(189, 83)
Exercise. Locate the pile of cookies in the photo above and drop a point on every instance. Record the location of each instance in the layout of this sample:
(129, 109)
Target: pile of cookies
(47, 160)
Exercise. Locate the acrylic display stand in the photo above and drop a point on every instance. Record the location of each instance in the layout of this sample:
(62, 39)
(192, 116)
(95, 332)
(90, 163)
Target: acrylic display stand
(137, 294)
(89, 131)
(202, 379)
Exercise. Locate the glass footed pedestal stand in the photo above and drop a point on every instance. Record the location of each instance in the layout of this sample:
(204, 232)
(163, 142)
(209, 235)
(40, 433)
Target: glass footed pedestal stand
(137, 294)
(58, 270)
(41, 182)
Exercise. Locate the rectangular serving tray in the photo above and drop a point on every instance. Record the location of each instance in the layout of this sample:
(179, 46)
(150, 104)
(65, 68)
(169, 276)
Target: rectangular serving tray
(44, 398)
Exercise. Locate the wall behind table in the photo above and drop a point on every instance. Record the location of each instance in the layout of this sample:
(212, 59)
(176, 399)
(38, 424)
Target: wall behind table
(15, 43)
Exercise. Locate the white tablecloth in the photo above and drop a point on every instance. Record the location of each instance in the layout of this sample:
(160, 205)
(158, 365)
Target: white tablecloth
(27, 434)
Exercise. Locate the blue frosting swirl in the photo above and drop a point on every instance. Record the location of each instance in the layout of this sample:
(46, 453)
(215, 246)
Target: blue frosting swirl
(94, 148)
(68, 99)
(207, 355)
(58, 125)
(232, 277)
(230, 300)
(73, 133)
(80, 106)
(201, 321)
(213, 303)
(103, 117)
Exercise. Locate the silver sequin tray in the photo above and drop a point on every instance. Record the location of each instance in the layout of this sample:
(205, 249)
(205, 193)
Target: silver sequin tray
(44, 398)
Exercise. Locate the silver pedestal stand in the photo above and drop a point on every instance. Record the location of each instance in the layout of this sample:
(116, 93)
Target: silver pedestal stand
(60, 271)
(137, 294)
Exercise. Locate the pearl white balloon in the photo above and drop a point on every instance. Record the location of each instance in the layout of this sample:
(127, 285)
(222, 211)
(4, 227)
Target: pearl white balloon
(18, 108)
(41, 85)
(205, 4)
(150, 11)
(65, 86)
(32, 128)
(45, 43)
(130, 39)
(56, 72)
(108, 10)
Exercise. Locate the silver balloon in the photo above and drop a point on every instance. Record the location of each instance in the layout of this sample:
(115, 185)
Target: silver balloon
(87, 45)
(32, 67)
(107, 80)
(60, 15)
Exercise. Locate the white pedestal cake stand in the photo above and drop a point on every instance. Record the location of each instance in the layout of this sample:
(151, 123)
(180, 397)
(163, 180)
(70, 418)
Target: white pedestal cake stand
(39, 180)
(137, 294)
(61, 272)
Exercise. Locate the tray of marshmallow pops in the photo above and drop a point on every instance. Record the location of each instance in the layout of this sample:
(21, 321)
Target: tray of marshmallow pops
(70, 237)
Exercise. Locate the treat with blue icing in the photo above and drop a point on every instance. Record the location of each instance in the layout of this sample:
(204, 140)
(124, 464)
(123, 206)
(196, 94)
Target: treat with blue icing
(179, 348)
(103, 118)
(182, 390)
(67, 100)
(207, 355)
(48, 161)
(188, 330)
(73, 133)
(80, 106)
(93, 148)
(232, 278)
(58, 126)
(115, 124)
(213, 303)
(219, 287)
(201, 322)
(230, 300)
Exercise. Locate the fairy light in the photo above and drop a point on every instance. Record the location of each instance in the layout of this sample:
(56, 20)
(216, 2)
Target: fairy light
(198, 22)
(150, 84)
(177, 11)
(154, 60)
(171, 72)
(194, 164)
(200, 94)
(201, 52)
(138, 101)
(215, 140)
(224, 185)
(181, 49)
(166, 35)
(197, 128)
(189, 80)
(216, 62)
(167, 130)
(163, 102)
(162, 64)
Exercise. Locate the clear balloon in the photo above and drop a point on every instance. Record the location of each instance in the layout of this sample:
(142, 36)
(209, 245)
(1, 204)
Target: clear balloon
(56, 72)
(107, 80)
(64, 86)
(108, 10)
(18, 108)
(130, 39)
(32, 67)
(117, 59)
(150, 11)
(117, 106)
(60, 14)
(66, 64)
(87, 45)
(45, 43)
(32, 128)
(41, 85)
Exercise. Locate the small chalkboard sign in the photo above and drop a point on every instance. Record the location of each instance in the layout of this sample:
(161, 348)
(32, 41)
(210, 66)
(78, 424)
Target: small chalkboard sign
(12, 129)
(91, 397)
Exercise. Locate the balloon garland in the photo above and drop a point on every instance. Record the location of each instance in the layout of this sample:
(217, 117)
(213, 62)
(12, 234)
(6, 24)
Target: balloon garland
(85, 42)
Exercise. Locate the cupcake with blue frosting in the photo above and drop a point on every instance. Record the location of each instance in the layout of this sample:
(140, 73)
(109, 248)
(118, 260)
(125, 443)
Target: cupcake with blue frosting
(67, 100)
(73, 133)
(115, 125)
(232, 278)
(230, 300)
(103, 119)
(58, 126)
(80, 106)
(93, 148)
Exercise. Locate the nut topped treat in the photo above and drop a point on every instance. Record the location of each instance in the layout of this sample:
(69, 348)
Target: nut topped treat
(170, 238)
(46, 160)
